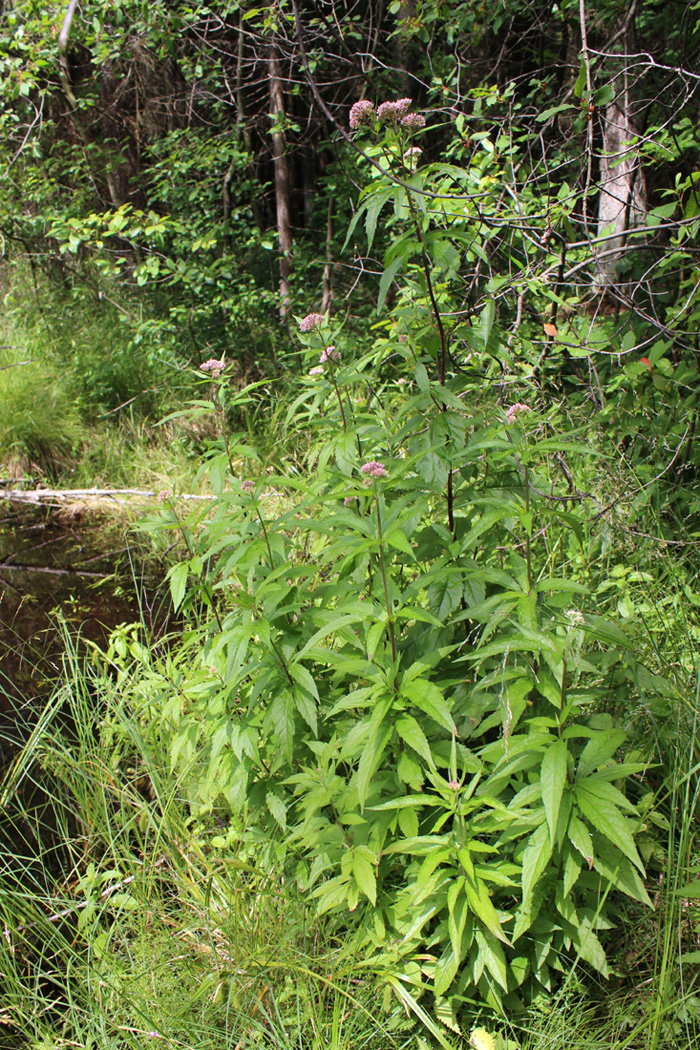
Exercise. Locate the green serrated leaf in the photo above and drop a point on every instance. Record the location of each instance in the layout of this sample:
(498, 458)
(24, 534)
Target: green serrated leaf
(580, 838)
(429, 699)
(412, 734)
(377, 738)
(598, 750)
(365, 875)
(535, 859)
(553, 780)
(177, 578)
(277, 808)
(596, 805)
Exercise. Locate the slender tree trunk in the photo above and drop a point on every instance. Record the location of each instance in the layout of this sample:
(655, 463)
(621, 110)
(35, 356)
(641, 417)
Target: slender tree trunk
(282, 180)
(622, 203)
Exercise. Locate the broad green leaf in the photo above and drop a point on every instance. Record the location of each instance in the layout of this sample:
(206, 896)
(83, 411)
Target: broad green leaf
(589, 947)
(306, 708)
(395, 538)
(580, 838)
(491, 952)
(445, 595)
(365, 875)
(428, 697)
(618, 870)
(572, 869)
(553, 781)
(374, 635)
(302, 675)
(689, 892)
(282, 719)
(423, 846)
(457, 914)
(488, 316)
(387, 278)
(376, 199)
(535, 859)
(598, 750)
(377, 738)
(178, 583)
(581, 79)
(595, 804)
(480, 903)
(277, 808)
(445, 971)
(411, 733)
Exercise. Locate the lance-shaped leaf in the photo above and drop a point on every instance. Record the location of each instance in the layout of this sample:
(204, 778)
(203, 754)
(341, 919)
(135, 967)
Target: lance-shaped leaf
(553, 782)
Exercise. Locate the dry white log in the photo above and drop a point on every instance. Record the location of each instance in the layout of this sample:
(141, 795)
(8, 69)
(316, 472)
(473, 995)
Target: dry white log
(76, 495)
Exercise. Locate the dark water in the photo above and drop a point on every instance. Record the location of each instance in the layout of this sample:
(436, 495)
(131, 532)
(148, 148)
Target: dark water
(56, 568)
(58, 565)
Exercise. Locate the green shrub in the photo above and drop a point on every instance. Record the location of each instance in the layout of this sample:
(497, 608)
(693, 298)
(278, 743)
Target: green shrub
(404, 687)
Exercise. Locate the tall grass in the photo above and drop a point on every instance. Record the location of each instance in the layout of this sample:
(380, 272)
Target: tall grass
(131, 921)
(83, 380)
(121, 923)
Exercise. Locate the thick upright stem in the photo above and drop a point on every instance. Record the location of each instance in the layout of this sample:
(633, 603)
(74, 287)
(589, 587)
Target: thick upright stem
(389, 610)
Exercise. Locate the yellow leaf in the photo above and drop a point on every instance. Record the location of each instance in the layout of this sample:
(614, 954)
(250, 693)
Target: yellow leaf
(480, 1039)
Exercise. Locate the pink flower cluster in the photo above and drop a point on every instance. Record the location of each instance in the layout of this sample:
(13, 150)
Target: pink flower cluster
(248, 486)
(413, 121)
(329, 354)
(214, 366)
(413, 153)
(310, 322)
(361, 113)
(394, 110)
(515, 410)
(374, 469)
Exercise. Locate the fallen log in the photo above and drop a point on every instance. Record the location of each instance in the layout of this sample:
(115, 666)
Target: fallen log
(61, 496)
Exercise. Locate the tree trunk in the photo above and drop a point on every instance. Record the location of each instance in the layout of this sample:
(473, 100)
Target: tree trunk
(622, 198)
(282, 181)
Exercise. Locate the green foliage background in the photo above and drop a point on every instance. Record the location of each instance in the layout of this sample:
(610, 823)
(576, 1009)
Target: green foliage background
(439, 613)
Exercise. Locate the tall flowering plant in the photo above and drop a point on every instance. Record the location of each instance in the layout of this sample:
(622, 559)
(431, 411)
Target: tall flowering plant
(395, 692)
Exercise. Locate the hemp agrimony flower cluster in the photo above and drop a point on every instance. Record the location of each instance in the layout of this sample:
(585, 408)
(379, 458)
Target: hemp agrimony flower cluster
(392, 112)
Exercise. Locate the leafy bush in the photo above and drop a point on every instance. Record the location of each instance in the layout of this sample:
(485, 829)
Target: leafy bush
(403, 687)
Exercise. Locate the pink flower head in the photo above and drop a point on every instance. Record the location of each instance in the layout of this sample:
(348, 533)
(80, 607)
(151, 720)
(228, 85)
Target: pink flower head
(163, 495)
(394, 110)
(348, 501)
(374, 469)
(413, 153)
(310, 322)
(515, 410)
(214, 366)
(329, 354)
(316, 371)
(248, 486)
(454, 784)
(413, 121)
(361, 113)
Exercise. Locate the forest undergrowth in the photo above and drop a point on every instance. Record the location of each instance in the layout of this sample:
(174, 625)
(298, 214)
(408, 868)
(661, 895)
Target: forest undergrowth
(419, 767)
